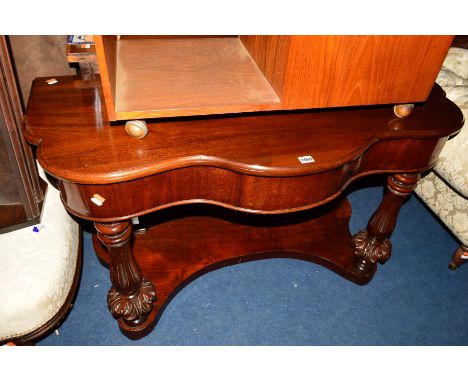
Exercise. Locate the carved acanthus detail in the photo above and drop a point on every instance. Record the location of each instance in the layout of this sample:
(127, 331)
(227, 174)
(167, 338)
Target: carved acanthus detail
(133, 308)
(131, 296)
(372, 244)
(370, 248)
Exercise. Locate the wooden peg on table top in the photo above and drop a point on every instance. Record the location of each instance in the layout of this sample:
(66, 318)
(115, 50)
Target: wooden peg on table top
(137, 129)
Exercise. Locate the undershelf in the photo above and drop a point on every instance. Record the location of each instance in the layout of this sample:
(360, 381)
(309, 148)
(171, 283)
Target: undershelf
(185, 242)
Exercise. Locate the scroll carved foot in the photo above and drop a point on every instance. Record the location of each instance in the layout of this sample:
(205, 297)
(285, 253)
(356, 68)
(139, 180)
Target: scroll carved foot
(371, 245)
(134, 308)
(131, 296)
(368, 250)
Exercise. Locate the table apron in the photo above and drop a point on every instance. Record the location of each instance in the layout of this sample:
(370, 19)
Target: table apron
(243, 192)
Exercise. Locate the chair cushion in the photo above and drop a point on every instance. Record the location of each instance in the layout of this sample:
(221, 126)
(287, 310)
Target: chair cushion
(37, 269)
(456, 62)
(447, 204)
(452, 165)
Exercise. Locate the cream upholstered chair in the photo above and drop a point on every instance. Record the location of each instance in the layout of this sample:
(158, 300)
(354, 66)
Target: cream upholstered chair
(39, 273)
(445, 188)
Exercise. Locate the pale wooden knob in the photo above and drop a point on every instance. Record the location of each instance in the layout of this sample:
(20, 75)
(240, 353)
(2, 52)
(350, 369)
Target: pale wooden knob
(137, 129)
(403, 110)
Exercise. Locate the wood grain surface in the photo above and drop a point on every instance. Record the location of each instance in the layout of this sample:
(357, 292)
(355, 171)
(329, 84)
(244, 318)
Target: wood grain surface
(164, 76)
(249, 163)
(160, 77)
(174, 252)
(361, 70)
(80, 145)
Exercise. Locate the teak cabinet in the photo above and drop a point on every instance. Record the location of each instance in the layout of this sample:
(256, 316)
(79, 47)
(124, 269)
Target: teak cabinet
(164, 76)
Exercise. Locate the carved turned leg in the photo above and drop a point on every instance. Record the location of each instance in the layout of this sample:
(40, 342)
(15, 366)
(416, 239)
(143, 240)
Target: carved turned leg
(460, 257)
(131, 296)
(372, 244)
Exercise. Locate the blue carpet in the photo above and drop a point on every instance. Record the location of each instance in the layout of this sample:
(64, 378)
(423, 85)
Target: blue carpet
(412, 300)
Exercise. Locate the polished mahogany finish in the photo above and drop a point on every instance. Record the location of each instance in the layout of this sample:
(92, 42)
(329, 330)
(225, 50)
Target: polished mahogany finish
(185, 242)
(372, 244)
(131, 296)
(234, 161)
(257, 163)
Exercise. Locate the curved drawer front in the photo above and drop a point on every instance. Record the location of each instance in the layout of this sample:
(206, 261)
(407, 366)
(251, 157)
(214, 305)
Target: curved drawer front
(200, 184)
(258, 194)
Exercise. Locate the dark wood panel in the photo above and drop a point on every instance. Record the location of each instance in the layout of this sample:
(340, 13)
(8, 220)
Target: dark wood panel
(201, 185)
(174, 252)
(26, 67)
(22, 194)
(251, 160)
(254, 194)
(9, 188)
(11, 215)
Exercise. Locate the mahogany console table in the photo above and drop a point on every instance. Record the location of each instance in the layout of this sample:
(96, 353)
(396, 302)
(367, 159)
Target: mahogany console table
(227, 188)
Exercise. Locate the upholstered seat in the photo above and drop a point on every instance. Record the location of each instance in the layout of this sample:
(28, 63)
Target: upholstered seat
(445, 189)
(38, 272)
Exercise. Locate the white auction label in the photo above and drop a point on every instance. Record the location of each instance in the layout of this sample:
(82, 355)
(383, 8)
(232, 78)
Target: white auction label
(306, 159)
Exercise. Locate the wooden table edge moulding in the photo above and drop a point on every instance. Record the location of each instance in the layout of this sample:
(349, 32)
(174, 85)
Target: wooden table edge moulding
(222, 189)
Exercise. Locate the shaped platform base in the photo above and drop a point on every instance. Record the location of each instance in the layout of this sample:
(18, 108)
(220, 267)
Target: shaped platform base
(184, 242)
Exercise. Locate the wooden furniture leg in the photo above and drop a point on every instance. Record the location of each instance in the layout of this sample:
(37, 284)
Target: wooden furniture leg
(131, 296)
(460, 257)
(372, 244)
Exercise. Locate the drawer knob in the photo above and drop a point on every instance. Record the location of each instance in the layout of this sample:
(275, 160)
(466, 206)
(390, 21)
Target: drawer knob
(137, 129)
